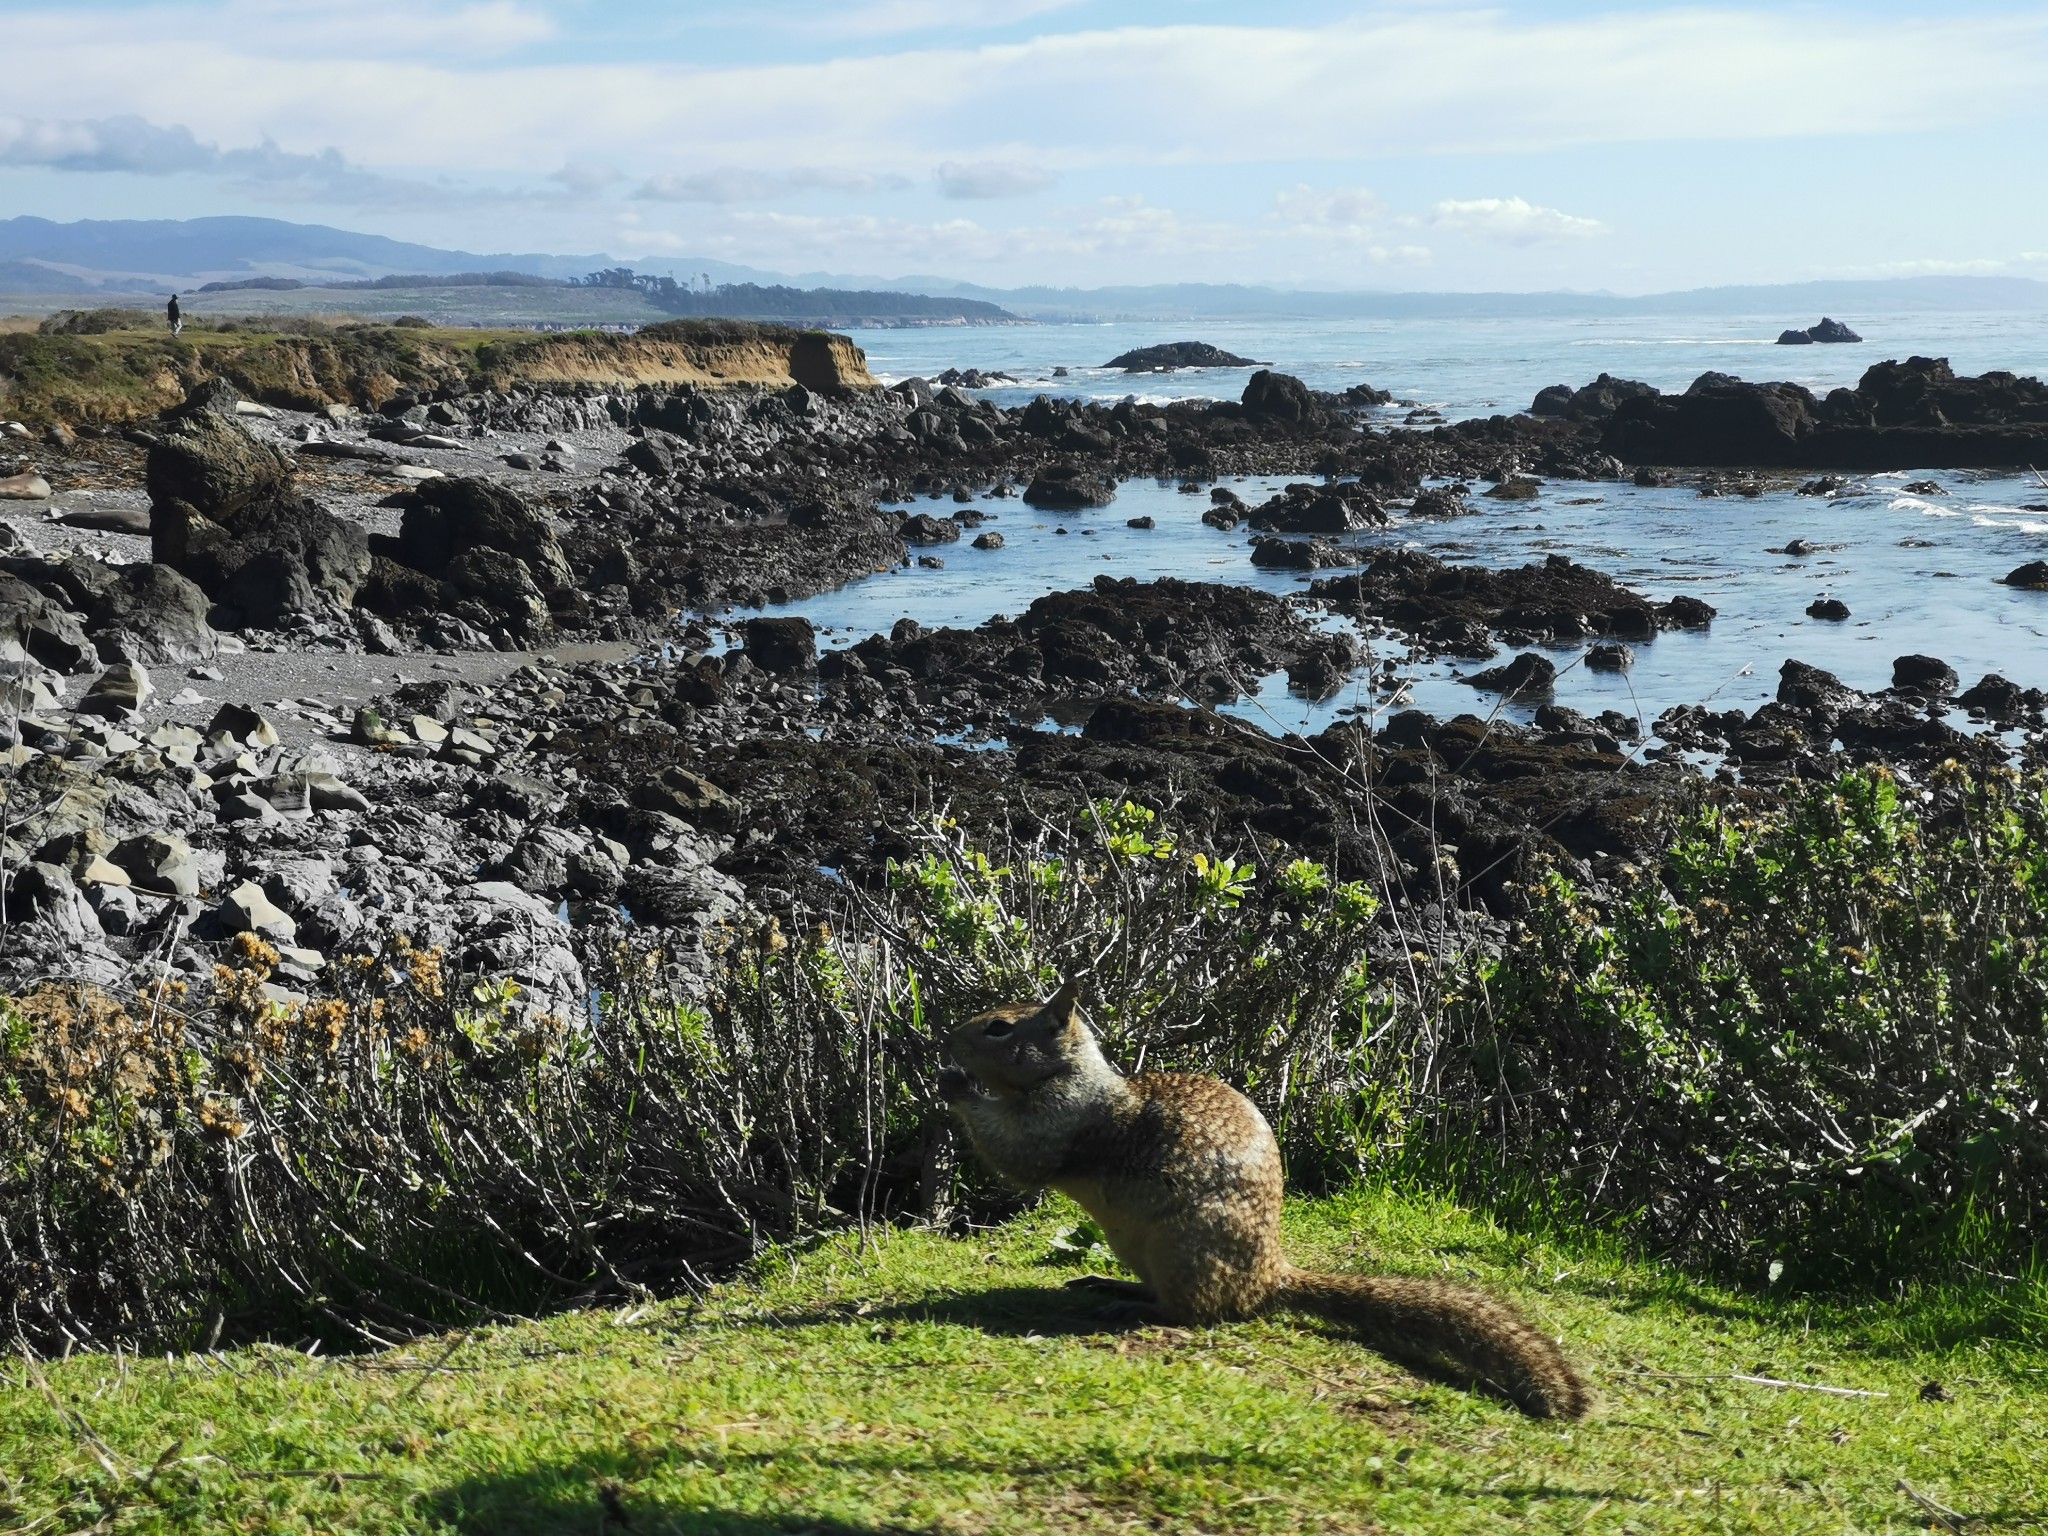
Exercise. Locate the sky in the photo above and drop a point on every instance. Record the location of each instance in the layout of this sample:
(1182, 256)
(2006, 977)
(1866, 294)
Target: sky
(1425, 145)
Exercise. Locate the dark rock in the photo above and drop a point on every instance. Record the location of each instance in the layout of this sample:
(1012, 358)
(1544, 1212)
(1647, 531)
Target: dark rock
(1997, 697)
(1610, 656)
(1820, 694)
(1439, 501)
(1830, 331)
(1593, 402)
(1278, 397)
(211, 463)
(1178, 354)
(2033, 576)
(1141, 522)
(1901, 415)
(1527, 676)
(272, 559)
(48, 631)
(1687, 613)
(691, 798)
(781, 645)
(923, 528)
(1927, 675)
(119, 693)
(502, 580)
(1069, 487)
(1832, 609)
(988, 541)
(1273, 552)
(653, 455)
(1319, 509)
(455, 513)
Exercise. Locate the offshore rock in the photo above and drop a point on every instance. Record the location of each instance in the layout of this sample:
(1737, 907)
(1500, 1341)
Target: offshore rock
(1178, 354)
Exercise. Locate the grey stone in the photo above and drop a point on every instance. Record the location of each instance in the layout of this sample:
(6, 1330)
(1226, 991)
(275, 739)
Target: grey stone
(246, 909)
(159, 862)
(119, 693)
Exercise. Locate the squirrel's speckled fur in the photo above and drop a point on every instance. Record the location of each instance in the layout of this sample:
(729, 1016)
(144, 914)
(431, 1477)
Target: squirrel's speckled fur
(1183, 1176)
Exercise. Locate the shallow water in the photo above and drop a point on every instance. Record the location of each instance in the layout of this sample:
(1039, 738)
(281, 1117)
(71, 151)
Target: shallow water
(1917, 573)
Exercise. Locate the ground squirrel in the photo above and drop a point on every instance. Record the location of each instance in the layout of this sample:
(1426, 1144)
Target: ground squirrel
(1183, 1176)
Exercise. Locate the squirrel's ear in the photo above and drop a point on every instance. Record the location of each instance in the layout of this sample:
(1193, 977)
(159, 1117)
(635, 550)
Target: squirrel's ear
(1064, 1006)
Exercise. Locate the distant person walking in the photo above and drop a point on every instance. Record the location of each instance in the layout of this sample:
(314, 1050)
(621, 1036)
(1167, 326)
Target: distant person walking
(177, 315)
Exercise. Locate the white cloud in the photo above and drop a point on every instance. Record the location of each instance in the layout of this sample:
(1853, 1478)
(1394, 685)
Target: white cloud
(733, 184)
(883, 17)
(139, 147)
(585, 177)
(1344, 207)
(1511, 221)
(1438, 80)
(990, 179)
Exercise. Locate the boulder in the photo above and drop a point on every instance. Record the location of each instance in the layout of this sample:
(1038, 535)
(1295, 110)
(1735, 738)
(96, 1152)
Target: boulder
(503, 581)
(247, 909)
(653, 455)
(1319, 509)
(210, 462)
(782, 645)
(1069, 487)
(46, 630)
(151, 613)
(923, 528)
(160, 863)
(242, 725)
(1527, 676)
(119, 693)
(1831, 609)
(2033, 576)
(448, 516)
(1828, 331)
(1593, 402)
(1610, 656)
(1274, 396)
(1168, 356)
(1812, 691)
(1997, 697)
(1929, 676)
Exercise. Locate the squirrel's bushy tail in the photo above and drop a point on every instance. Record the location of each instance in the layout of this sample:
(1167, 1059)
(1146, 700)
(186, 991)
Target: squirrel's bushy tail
(1424, 1322)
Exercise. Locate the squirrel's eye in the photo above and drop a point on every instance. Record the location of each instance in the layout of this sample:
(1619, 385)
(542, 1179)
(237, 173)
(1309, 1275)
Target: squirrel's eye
(1000, 1028)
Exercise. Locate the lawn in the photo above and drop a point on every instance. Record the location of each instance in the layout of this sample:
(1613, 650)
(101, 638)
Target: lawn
(915, 1382)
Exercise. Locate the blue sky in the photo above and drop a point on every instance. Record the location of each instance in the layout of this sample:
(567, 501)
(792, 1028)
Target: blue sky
(1429, 144)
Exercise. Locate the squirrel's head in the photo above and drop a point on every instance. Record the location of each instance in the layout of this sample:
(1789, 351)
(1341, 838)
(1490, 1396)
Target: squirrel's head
(1021, 1045)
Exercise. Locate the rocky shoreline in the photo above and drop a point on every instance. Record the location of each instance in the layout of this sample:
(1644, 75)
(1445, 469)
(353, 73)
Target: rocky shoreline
(444, 671)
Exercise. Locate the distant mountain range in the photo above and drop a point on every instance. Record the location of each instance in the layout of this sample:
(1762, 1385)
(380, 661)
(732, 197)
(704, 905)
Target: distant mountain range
(111, 257)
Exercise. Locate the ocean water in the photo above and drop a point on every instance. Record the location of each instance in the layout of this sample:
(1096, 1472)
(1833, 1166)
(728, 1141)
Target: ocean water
(1462, 367)
(1917, 571)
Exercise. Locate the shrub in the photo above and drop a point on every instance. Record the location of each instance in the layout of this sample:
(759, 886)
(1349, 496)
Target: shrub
(1806, 1043)
(1810, 1042)
(99, 322)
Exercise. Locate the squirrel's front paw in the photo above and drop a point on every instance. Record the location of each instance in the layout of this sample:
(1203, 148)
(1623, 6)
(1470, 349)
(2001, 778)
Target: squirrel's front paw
(954, 1085)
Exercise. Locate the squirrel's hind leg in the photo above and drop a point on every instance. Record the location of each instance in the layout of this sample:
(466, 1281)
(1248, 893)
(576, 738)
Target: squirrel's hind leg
(1134, 1300)
(1132, 1290)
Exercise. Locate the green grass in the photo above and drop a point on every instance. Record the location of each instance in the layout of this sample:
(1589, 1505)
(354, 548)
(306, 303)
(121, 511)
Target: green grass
(922, 1383)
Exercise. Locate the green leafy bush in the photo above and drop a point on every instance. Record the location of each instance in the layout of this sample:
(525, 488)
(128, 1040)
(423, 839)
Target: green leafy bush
(1807, 1044)
(1810, 1042)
